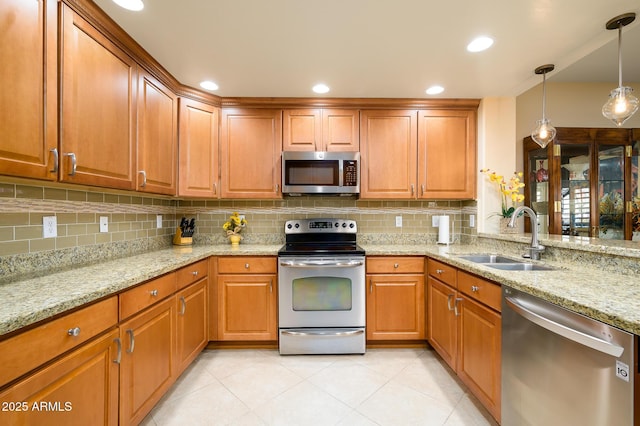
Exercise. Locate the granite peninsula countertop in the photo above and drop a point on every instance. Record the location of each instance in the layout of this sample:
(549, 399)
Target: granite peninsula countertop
(610, 298)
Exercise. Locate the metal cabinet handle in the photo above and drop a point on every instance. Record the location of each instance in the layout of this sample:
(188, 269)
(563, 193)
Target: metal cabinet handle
(449, 297)
(74, 332)
(277, 188)
(370, 287)
(74, 163)
(54, 151)
(455, 306)
(154, 293)
(422, 189)
(270, 286)
(194, 273)
(246, 266)
(144, 178)
(132, 341)
(475, 288)
(215, 188)
(119, 353)
(184, 305)
(395, 265)
(439, 271)
(412, 189)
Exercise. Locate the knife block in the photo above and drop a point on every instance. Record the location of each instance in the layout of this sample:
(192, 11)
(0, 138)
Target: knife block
(179, 240)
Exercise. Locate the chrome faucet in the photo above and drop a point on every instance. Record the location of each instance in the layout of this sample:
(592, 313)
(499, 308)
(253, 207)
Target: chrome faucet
(536, 249)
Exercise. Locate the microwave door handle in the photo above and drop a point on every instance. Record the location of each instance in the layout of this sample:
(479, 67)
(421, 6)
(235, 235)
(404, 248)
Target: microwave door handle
(333, 264)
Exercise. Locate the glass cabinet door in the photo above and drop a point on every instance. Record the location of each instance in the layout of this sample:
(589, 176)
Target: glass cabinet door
(575, 189)
(635, 193)
(538, 186)
(610, 209)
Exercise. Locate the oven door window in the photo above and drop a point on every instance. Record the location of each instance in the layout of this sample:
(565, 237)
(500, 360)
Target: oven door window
(322, 294)
(312, 172)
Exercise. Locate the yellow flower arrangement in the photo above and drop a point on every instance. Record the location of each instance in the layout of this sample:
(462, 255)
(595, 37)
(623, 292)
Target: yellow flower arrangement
(509, 191)
(234, 225)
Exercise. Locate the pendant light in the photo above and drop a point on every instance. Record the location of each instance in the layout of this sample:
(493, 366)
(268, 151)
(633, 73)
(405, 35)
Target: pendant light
(621, 104)
(544, 132)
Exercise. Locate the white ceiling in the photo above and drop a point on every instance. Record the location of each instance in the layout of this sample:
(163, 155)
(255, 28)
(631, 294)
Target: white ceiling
(374, 48)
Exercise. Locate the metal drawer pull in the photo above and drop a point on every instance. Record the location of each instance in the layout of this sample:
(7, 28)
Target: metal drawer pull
(455, 306)
(439, 271)
(294, 264)
(75, 331)
(132, 341)
(154, 293)
(395, 265)
(184, 305)
(475, 288)
(246, 266)
(119, 353)
(144, 178)
(195, 273)
(54, 151)
(73, 163)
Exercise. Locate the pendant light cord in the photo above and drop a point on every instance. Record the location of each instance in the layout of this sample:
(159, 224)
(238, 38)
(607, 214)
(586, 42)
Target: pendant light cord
(620, 55)
(544, 93)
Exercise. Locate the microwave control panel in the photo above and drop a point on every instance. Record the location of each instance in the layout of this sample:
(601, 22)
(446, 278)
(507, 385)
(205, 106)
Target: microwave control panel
(350, 173)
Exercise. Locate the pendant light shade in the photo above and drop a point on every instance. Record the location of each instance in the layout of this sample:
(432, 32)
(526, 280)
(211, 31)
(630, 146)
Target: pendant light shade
(544, 132)
(622, 104)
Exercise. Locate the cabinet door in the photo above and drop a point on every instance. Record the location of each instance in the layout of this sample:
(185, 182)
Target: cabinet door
(340, 130)
(250, 150)
(247, 307)
(479, 359)
(98, 116)
(388, 149)
(199, 156)
(79, 389)
(395, 307)
(147, 368)
(157, 137)
(302, 130)
(28, 101)
(191, 332)
(441, 321)
(447, 154)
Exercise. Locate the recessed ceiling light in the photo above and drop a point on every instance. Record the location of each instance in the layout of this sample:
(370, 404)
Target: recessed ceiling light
(479, 44)
(435, 90)
(320, 88)
(134, 5)
(209, 85)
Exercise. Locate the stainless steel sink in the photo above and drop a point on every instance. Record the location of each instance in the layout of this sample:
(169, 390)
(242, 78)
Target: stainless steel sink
(519, 266)
(504, 263)
(487, 258)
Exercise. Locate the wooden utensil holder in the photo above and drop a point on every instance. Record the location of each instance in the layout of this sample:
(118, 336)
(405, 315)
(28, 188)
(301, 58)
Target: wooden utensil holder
(179, 240)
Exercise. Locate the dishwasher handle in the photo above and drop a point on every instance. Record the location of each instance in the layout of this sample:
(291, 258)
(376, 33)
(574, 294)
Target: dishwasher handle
(565, 331)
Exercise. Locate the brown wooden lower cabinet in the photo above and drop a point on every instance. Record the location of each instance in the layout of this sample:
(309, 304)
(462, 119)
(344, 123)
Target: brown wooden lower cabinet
(464, 327)
(148, 367)
(81, 388)
(191, 323)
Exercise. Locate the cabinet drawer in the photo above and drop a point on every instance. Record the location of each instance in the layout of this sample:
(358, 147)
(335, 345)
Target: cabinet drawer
(442, 272)
(483, 291)
(134, 300)
(395, 265)
(247, 265)
(28, 350)
(192, 273)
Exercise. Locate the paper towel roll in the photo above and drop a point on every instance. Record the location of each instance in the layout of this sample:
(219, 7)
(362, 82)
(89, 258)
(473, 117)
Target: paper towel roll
(443, 230)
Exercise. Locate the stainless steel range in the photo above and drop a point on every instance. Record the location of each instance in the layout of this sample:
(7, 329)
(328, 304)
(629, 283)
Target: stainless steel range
(321, 281)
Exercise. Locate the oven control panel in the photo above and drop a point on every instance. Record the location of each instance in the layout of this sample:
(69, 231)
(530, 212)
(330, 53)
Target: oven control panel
(303, 226)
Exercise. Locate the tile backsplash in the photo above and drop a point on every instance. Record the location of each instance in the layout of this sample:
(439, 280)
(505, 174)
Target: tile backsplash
(132, 219)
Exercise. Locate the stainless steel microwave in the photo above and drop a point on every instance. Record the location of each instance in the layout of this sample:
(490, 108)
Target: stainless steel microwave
(331, 173)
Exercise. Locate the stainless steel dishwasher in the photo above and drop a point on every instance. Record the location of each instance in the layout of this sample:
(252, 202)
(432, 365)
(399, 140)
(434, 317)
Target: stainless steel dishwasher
(562, 368)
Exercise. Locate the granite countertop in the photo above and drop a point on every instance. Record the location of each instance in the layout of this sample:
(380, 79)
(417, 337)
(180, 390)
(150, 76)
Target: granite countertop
(611, 298)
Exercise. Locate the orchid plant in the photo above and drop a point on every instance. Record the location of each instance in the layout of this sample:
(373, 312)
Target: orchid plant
(509, 190)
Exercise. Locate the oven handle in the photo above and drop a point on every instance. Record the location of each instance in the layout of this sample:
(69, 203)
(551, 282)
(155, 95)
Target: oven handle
(323, 332)
(332, 264)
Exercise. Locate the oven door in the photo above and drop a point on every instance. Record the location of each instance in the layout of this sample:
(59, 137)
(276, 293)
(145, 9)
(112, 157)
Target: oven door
(321, 292)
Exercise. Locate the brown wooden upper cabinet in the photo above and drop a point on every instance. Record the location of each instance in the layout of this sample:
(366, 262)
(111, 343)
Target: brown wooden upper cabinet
(28, 118)
(98, 116)
(250, 151)
(198, 166)
(321, 130)
(409, 154)
(157, 137)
